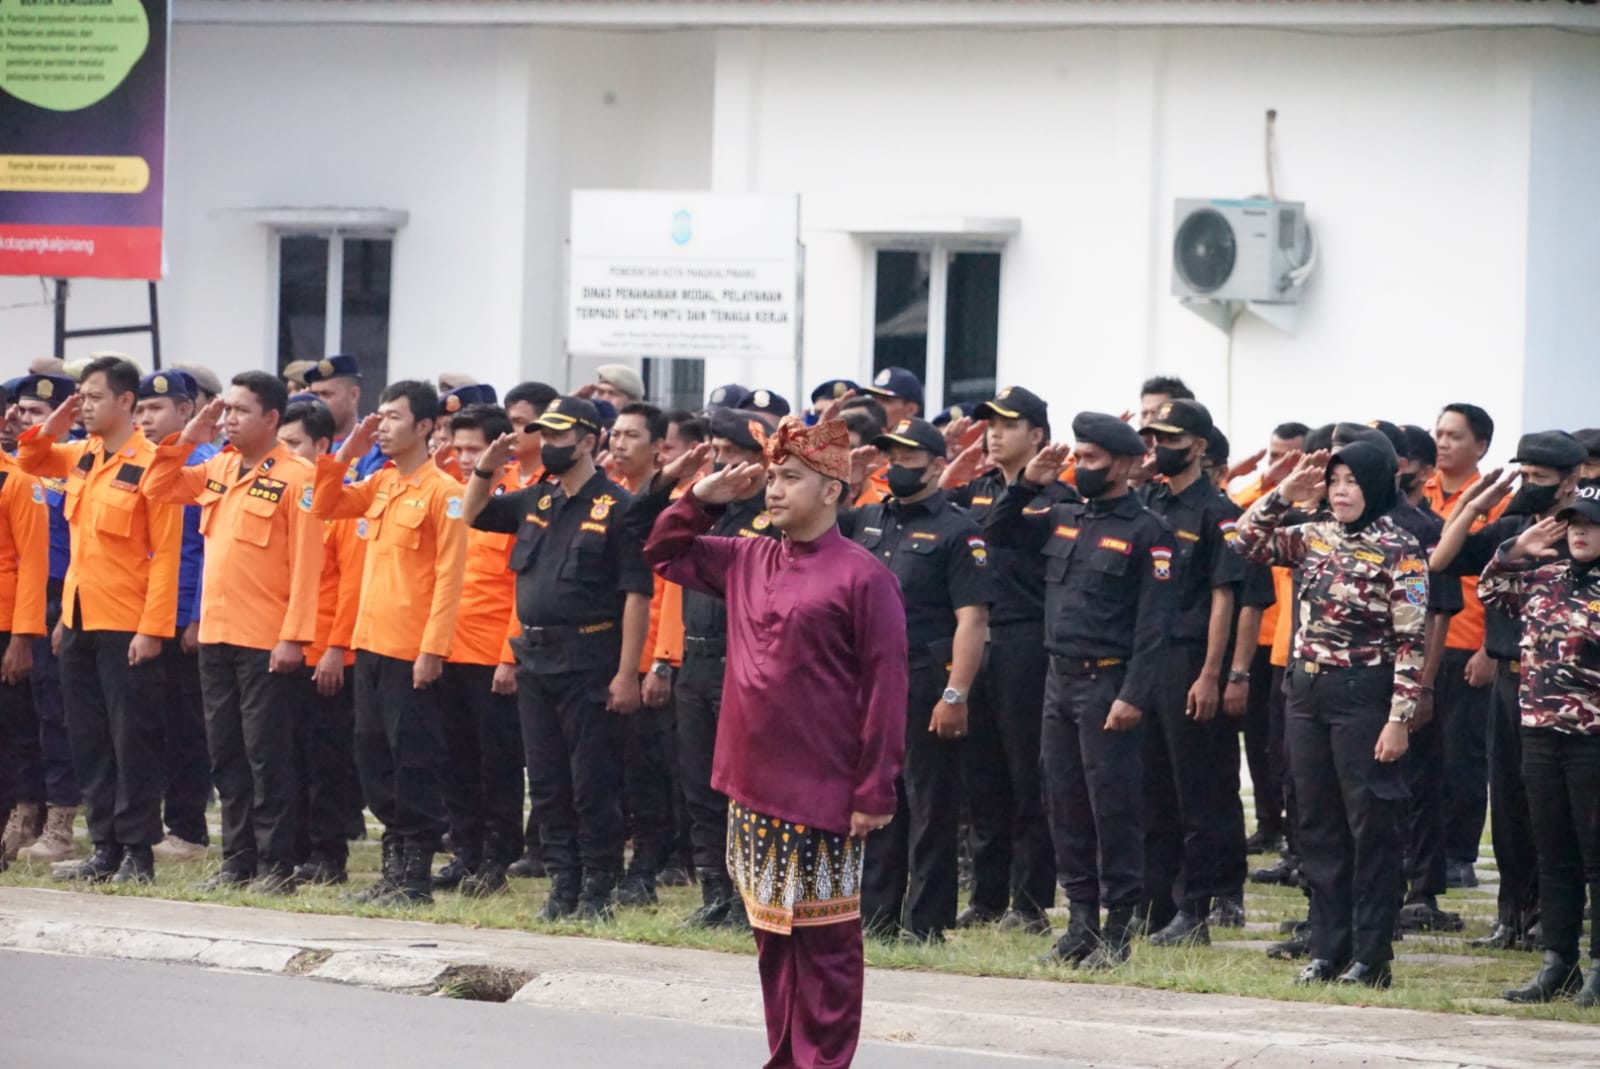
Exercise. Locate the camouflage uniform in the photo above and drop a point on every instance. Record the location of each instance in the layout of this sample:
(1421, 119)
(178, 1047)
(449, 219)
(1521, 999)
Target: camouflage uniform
(1361, 602)
(1560, 695)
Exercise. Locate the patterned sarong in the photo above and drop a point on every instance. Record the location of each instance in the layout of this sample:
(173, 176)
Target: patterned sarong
(790, 875)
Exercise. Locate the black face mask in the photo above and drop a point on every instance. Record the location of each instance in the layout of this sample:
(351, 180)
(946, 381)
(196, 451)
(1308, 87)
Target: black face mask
(718, 465)
(1092, 482)
(558, 459)
(1170, 461)
(904, 481)
(1408, 482)
(1531, 499)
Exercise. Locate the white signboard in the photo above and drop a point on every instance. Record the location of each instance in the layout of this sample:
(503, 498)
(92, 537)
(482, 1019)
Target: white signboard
(702, 275)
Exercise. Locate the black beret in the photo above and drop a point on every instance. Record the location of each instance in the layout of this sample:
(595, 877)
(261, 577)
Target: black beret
(1590, 437)
(1550, 449)
(1109, 433)
(739, 427)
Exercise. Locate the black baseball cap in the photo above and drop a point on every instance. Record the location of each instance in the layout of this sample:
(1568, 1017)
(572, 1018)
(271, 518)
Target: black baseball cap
(565, 413)
(1585, 501)
(915, 433)
(1550, 449)
(1015, 402)
(1180, 417)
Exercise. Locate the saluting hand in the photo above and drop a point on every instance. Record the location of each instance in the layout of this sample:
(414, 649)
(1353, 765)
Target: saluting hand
(1046, 465)
(203, 427)
(730, 484)
(499, 452)
(1492, 489)
(360, 440)
(954, 431)
(964, 468)
(1305, 480)
(1539, 541)
(686, 464)
(832, 409)
(60, 423)
(862, 459)
(1247, 465)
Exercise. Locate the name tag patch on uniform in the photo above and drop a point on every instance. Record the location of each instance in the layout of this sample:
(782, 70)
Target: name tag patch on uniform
(1317, 545)
(1115, 543)
(1369, 556)
(1188, 536)
(597, 528)
(1066, 532)
(215, 487)
(983, 501)
(1161, 563)
(980, 551)
(924, 536)
(452, 508)
(86, 463)
(536, 520)
(267, 489)
(874, 531)
(128, 477)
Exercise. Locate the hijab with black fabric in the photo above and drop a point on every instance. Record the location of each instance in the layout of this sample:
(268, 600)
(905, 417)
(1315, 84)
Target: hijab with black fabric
(1374, 469)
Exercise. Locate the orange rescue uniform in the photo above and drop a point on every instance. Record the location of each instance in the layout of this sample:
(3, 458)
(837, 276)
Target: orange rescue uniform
(263, 548)
(24, 550)
(416, 553)
(125, 549)
(1466, 626)
(338, 590)
(488, 592)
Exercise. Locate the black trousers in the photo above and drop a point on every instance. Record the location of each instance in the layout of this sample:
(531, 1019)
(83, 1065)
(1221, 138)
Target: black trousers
(909, 876)
(330, 789)
(573, 746)
(1562, 773)
(115, 724)
(1423, 765)
(1266, 766)
(45, 773)
(1464, 714)
(1510, 823)
(649, 787)
(185, 747)
(1194, 818)
(399, 745)
(250, 725)
(1279, 745)
(482, 780)
(1013, 861)
(16, 721)
(1093, 788)
(1351, 809)
(699, 693)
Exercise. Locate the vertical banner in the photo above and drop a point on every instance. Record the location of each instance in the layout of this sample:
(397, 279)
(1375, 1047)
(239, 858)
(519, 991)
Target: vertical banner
(83, 123)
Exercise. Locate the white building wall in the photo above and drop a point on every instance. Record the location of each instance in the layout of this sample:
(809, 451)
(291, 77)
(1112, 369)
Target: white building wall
(1411, 152)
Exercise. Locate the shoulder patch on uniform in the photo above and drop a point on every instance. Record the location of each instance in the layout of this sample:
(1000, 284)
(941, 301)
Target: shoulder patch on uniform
(761, 522)
(1229, 529)
(1161, 562)
(602, 507)
(38, 494)
(361, 527)
(452, 508)
(1416, 587)
(305, 497)
(980, 551)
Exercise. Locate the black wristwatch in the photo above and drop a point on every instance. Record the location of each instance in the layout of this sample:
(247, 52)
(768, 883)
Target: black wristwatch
(480, 473)
(1236, 676)
(661, 669)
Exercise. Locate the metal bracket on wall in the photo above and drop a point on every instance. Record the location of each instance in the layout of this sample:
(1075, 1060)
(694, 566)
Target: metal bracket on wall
(153, 328)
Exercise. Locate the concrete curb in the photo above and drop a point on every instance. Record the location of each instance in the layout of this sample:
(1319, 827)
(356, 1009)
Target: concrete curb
(1106, 1026)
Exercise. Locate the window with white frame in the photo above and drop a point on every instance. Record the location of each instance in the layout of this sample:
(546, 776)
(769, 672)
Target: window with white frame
(936, 312)
(333, 294)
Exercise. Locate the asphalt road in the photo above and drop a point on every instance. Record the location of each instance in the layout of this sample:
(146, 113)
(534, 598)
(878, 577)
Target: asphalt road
(77, 1013)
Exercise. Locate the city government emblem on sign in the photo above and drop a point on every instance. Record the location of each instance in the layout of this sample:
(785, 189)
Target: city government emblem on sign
(682, 228)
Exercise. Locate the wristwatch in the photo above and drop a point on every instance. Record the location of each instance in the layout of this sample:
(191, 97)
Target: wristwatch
(661, 669)
(952, 696)
(1236, 676)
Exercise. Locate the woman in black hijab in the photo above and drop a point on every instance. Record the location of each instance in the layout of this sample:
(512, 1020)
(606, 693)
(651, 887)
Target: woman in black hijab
(1352, 686)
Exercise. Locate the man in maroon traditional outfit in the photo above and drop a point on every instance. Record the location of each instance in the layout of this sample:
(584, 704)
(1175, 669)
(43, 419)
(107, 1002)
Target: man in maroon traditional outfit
(812, 730)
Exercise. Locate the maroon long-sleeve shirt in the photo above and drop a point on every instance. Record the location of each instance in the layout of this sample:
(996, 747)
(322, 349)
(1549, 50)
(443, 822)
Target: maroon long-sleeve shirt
(813, 721)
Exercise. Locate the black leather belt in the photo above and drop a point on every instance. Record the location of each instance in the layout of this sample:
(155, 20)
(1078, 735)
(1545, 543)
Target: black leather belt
(551, 636)
(1083, 666)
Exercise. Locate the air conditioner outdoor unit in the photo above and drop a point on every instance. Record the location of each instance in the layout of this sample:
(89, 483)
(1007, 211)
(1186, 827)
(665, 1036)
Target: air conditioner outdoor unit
(1241, 250)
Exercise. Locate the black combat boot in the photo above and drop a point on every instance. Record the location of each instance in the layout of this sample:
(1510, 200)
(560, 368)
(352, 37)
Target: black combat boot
(1187, 929)
(488, 880)
(1114, 939)
(1557, 978)
(459, 868)
(597, 900)
(388, 881)
(1588, 995)
(563, 900)
(98, 867)
(716, 897)
(138, 866)
(416, 880)
(1082, 936)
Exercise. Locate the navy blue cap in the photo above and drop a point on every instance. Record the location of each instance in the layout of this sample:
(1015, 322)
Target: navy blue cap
(1109, 433)
(953, 412)
(178, 385)
(730, 396)
(766, 401)
(739, 427)
(605, 410)
(476, 394)
(897, 382)
(916, 433)
(832, 389)
(301, 397)
(565, 412)
(334, 367)
(1550, 449)
(51, 389)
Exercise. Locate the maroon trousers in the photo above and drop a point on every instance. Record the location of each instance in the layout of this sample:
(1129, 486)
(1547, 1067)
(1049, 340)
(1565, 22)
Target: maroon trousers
(811, 987)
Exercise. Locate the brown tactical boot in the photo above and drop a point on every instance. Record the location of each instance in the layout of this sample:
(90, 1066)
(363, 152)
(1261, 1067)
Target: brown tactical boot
(22, 829)
(55, 844)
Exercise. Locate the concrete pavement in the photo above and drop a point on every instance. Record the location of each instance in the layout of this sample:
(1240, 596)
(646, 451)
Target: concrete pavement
(1099, 1025)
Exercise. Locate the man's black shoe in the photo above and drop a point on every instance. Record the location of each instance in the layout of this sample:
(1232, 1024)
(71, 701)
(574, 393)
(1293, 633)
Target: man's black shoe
(276, 880)
(321, 871)
(1556, 978)
(563, 900)
(1228, 912)
(673, 876)
(1503, 937)
(98, 867)
(1025, 921)
(1184, 930)
(1426, 916)
(1317, 971)
(596, 900)
(637, 890)
(1291, 949)
(449, 878)
(1359, 972)
(415, 887)
(389, 877)
(1460, 874)
(138, 867)
(1081, 938)
(1279, 875)
(225, 879)
(529, 866)
(488, 880)
(1263, 842)
(1588, 996)
(976, 916)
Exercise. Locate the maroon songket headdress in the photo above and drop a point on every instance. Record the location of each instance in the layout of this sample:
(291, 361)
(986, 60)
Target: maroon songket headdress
(824, 448)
